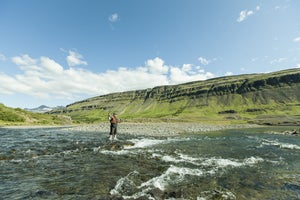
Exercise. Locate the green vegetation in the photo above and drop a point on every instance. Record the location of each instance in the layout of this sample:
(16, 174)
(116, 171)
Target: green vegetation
(17, 116)
(11, 115)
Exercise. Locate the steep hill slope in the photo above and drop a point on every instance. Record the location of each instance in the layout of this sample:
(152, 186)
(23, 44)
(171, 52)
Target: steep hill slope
(241, 98)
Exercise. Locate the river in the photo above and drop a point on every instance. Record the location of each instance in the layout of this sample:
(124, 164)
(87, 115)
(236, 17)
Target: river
(54, 163)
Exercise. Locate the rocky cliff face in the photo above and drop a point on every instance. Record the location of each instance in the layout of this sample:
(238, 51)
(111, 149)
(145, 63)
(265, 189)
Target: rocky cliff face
(281, 87)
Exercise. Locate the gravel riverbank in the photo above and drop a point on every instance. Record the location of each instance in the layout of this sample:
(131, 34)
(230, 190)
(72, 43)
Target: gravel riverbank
(158, 129)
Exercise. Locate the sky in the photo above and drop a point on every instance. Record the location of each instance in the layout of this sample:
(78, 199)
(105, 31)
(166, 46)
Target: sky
(57, 52)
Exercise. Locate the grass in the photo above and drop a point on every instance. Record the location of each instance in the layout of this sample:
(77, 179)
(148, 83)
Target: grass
(246, 109)
(17, 116)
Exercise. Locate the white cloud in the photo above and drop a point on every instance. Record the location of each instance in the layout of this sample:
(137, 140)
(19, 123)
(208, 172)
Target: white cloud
(10, 85)
(24, 60)
(44, 78)
(203, 61)
(114, 17)
(157, 66)
(281, 7)
(74, 59)
(244, 14)
(50, 66)
(277, 60)
(297, 39)
(188, 73)
(254, 59)
(228, 74)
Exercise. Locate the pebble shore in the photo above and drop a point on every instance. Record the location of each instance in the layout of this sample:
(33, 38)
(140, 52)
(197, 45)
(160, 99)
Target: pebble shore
(158, 129)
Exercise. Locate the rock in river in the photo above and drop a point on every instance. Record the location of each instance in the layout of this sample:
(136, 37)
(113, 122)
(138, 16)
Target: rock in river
(117, 145)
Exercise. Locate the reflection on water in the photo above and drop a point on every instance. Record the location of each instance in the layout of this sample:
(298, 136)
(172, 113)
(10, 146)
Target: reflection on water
(231, 164)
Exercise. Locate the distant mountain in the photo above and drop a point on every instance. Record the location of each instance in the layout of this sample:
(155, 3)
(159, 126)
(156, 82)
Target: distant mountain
(43, 109)
(40, 109)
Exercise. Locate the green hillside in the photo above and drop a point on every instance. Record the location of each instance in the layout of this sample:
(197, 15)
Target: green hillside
(17, 116)
(272, 98)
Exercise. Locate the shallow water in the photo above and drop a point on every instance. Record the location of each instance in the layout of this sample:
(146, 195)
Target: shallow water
(232, 164)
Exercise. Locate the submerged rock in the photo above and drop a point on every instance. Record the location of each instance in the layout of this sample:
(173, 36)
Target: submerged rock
(295, 132)
(117, 145)
(291, 186)
(217, 195)
(42, 194)
(112, 197)
(156, 193)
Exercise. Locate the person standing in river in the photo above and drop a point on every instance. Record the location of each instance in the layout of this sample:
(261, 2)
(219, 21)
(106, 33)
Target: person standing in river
(113, 126)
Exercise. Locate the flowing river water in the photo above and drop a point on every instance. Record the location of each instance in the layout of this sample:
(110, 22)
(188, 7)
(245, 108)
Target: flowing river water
(56, 163)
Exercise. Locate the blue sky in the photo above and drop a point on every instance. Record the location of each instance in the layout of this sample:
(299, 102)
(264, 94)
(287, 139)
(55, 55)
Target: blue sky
(56, 52)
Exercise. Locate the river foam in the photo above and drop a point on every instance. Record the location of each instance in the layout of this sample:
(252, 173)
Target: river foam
(176, 174)
(282, 145)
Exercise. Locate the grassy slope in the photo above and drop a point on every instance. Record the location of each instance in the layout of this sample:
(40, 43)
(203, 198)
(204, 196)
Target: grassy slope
(17, 116)
(192, 111)
(255, 105)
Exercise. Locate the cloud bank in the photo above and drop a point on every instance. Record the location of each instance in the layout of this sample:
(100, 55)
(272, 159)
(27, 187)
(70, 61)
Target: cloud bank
(44, 78)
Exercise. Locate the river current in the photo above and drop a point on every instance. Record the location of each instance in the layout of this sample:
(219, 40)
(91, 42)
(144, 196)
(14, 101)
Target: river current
(56, 163)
